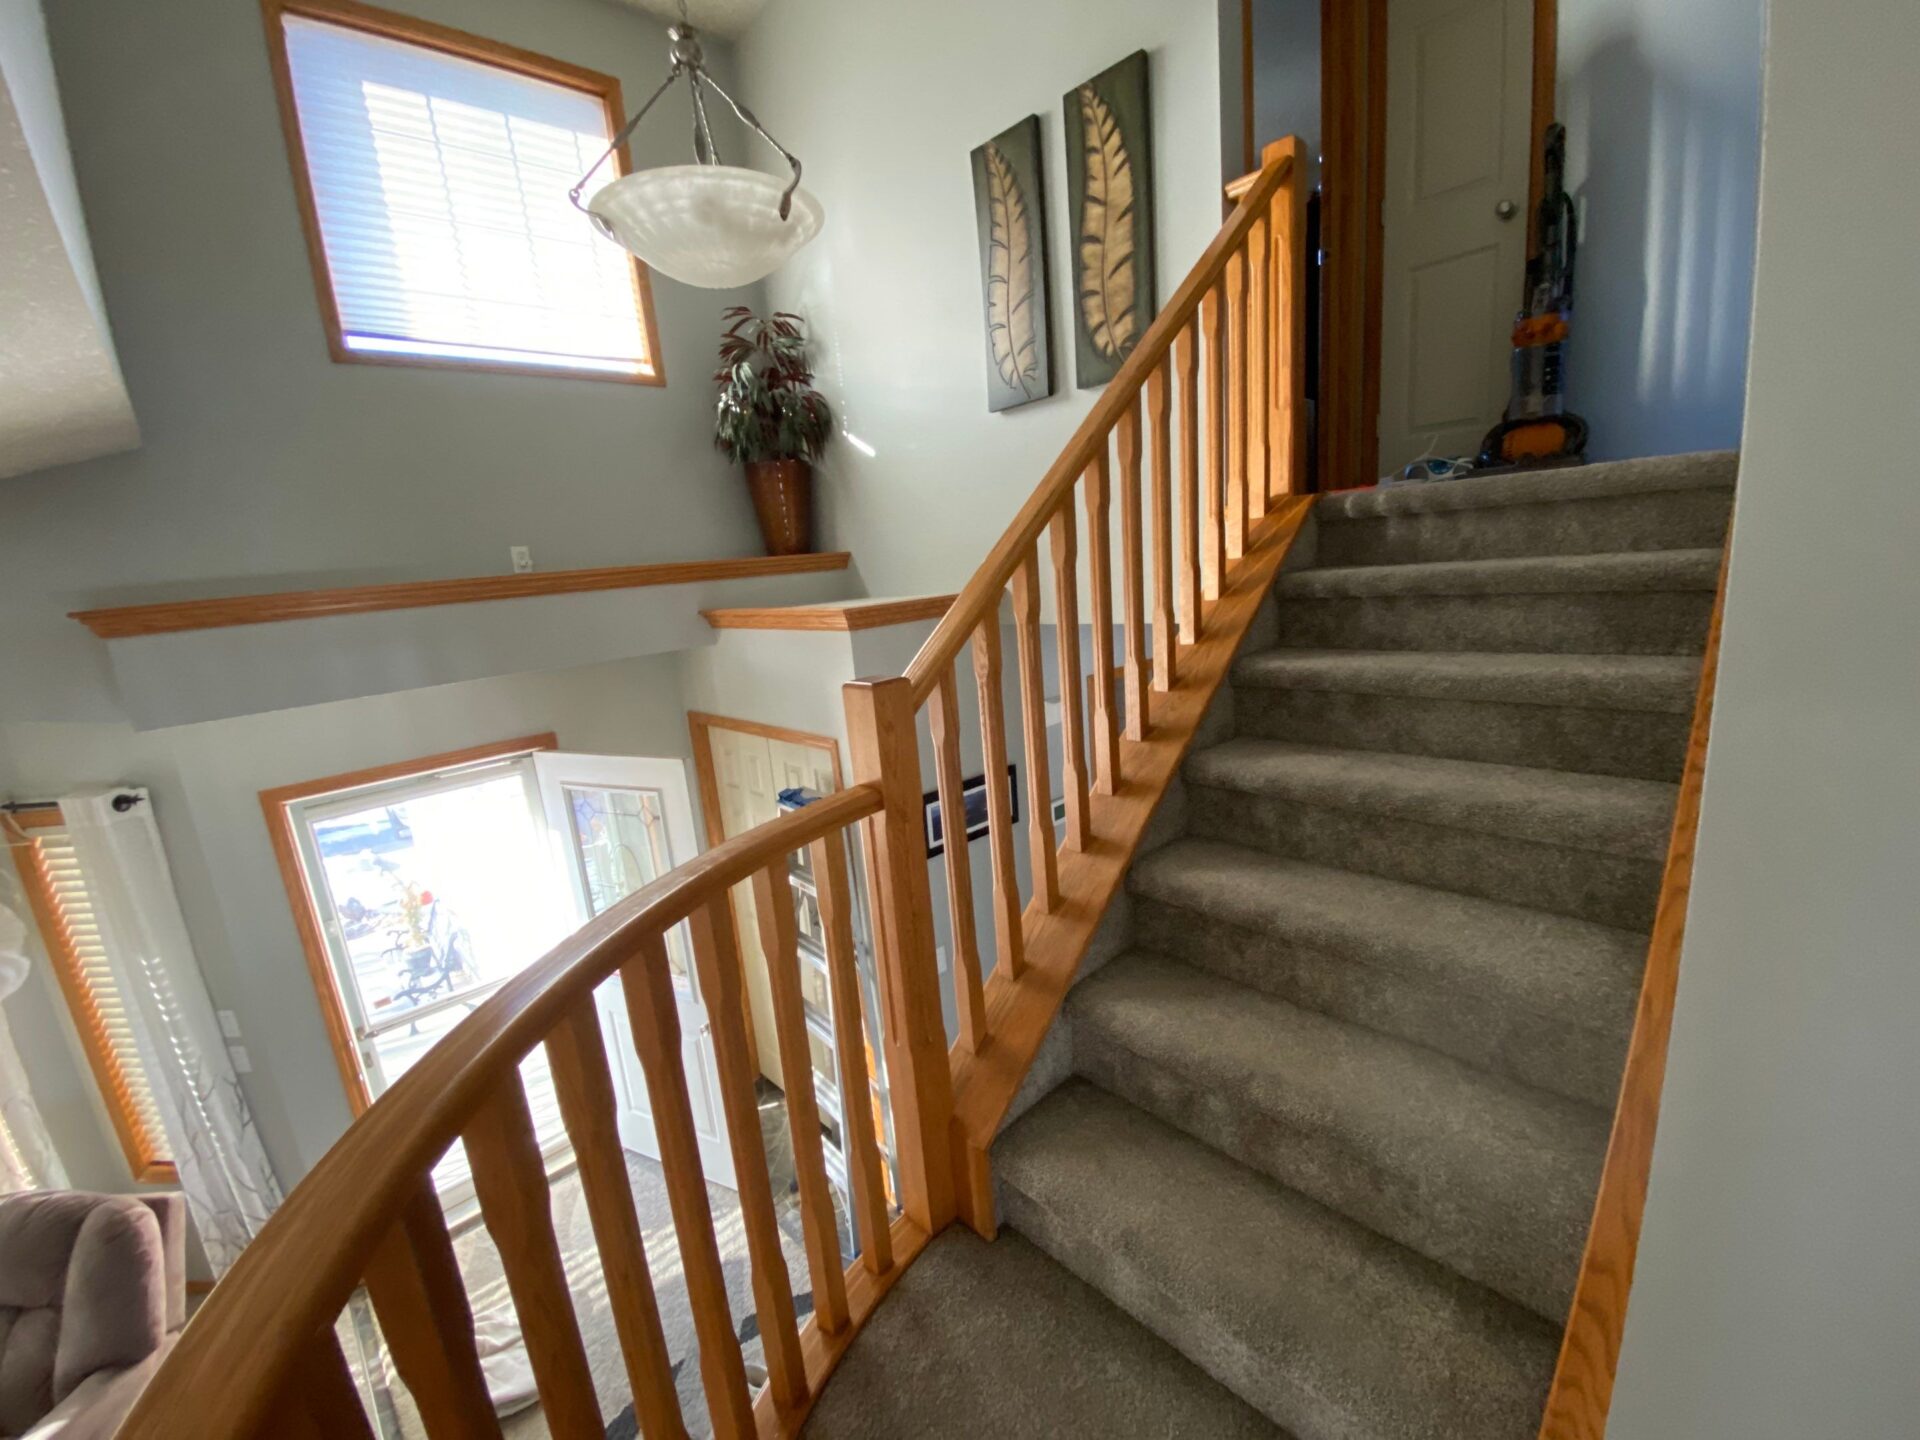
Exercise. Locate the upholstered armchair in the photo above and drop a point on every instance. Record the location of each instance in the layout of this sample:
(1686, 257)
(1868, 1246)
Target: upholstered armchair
(92, 1294)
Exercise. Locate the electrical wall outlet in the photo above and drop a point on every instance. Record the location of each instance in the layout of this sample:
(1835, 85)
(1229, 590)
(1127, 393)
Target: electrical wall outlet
(229, 1024)
(522, 559)
(242, 1062)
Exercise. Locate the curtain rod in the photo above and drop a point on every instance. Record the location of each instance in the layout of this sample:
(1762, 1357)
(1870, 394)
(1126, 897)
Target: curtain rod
(121, 804)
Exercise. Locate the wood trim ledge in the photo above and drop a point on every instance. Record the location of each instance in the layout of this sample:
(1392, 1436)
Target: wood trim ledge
(168, 617)
(856, 616)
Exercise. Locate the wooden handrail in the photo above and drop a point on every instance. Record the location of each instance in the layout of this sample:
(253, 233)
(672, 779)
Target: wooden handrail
(983, 591)
(302, 1267)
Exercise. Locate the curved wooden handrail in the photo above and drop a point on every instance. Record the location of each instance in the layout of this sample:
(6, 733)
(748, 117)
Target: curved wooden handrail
(982, 593)
(304, 1265)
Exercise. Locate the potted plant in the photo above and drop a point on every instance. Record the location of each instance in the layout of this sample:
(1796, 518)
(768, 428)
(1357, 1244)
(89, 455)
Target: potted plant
(771, 419)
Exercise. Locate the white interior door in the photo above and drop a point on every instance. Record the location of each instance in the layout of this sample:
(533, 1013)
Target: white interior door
(1459, 108)
(618, 822)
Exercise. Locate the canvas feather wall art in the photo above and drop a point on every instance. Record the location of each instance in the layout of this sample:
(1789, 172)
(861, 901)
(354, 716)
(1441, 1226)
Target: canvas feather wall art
(1110, 200)
(1010, 210)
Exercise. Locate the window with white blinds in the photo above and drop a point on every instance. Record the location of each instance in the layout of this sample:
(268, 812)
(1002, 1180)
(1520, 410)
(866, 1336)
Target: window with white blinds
(64, 909)
(439, 187)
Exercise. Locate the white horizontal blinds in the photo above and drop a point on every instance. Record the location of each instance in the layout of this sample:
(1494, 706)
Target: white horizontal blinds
(441, 185)
(102, 1008)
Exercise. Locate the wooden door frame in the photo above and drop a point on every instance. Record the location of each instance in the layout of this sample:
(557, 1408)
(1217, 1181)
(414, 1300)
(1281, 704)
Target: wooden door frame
(700, 727)
(1353, 111)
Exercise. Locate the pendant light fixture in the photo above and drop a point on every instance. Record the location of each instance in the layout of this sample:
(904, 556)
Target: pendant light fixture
(706, 224)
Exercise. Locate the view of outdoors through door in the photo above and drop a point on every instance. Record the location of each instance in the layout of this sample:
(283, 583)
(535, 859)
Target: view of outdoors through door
(434, 890)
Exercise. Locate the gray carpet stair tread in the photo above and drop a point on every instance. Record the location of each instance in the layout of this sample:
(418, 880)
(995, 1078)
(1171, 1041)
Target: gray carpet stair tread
(1553, 964)
(1660, 683)
(1603, 813)
(996, 1339)
(1493, 1178)
(1622, 572)
(1328, 1328)
(1707, 470)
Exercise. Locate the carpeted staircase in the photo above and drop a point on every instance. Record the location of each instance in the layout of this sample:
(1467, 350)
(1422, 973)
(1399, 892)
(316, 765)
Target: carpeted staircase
(1314, 1146)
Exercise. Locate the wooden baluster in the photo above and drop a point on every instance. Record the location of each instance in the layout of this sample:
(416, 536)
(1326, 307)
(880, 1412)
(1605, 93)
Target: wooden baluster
(1066, 607)
(413, 1279)
(1186, 356)
(509, 1176)
(1213, 560)
(1043, 863)
(1132, 582)
(321, 1400)
(773, 900)
(1236, 384)
(864, 1169)
(1259, 330)
(969, 999)
(716, 955)
(1009, 943)
(884, 744)
(1161, 450)
(1103, 726)
(654, 1011)
(583, 1085)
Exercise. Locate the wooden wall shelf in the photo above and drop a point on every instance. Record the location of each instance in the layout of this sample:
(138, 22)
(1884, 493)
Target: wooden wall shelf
(168, 617)
(847, 615)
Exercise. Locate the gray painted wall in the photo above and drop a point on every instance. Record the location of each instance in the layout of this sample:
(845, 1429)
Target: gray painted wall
(1662, 107)
(1777, 1293)
(885, 102)
(206, 781)
(267, 466)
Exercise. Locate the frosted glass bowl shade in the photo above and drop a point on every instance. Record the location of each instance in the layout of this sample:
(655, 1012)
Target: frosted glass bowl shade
(715, 226)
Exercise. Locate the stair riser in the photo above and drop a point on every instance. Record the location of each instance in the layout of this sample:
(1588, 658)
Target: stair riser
(1247, 1371)
(1556, 1054)
(1525, 1246)
(1608, 889)
(1660, 520)
(1583, 623)
(1639, 745)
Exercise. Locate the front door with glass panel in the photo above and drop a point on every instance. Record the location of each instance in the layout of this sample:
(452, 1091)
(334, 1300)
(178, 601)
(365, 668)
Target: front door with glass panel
(433, 890)
(616, 822)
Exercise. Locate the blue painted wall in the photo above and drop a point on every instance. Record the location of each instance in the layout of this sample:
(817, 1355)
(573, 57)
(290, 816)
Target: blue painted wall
(1662, 105)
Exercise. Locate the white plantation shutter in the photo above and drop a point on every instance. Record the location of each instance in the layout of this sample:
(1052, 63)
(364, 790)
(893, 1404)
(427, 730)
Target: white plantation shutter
(100, 1009)
(441, 189)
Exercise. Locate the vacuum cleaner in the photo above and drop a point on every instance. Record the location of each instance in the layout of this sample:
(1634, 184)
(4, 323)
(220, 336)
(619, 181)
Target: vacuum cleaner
(1537, 429)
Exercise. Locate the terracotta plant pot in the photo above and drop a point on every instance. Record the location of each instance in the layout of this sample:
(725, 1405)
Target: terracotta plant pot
(783, 502)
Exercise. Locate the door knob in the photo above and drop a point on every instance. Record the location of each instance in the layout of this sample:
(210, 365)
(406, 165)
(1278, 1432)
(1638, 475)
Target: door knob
(1506, 209)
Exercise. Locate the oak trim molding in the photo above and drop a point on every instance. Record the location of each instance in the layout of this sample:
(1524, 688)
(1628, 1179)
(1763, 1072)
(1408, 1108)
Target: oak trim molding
(465, 46)
(274, 805)
(1582, 1392)
(855, 615)
(171, 616)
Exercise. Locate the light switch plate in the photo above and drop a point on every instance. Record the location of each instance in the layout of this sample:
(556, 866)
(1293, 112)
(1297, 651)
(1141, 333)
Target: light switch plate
(229, 1024)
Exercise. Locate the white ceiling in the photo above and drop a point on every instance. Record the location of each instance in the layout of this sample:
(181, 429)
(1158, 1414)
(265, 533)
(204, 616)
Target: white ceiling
(61, 394)
(722, 17)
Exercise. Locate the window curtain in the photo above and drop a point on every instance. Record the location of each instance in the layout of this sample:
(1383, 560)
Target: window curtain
(27, 1157)
(229, 1184)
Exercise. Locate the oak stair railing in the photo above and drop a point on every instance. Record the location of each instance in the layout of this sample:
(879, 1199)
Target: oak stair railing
(1199, 442)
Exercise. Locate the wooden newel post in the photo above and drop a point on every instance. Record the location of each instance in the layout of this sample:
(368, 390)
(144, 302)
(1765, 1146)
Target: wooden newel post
(1286, 317)
(884, 747)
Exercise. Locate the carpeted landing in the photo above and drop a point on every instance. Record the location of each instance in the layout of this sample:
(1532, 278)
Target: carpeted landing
(1325, 1147)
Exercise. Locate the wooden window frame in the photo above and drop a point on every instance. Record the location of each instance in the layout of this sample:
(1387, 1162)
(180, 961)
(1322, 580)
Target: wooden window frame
(465, 46)
(146, 1153)
(277, 805)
